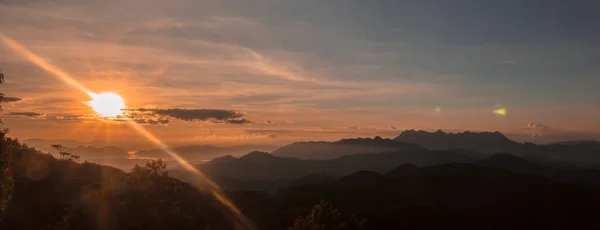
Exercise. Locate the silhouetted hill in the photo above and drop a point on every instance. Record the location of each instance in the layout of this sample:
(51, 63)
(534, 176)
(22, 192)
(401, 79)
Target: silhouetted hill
(582, 154)
(362, 178)
(484, 142)
(514, 164)
(314, 178)
(199, 153)
(44, 145)
(102, 154)
(58, 194)
(521, 165)
(331, 150)
(272, 186)
(452, 196)
(61, 194)
(407, 170)
(582, 142)
(264, 166)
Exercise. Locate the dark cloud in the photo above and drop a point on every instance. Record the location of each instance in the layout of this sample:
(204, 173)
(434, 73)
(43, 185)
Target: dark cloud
(11, 99)
(238, 121)
(157, 121)
(26, 114)
(393, 127)
(163, 116)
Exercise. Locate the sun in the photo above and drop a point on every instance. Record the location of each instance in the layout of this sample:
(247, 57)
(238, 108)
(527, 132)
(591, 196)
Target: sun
(107, 105)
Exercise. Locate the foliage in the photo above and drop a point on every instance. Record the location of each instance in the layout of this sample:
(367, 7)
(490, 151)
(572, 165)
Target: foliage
(6, 179)
(65, 194)
(64, 154)
(325, 217)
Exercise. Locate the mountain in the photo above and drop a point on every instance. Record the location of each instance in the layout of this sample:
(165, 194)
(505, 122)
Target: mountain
(457, 195)
(552, 171)
(265, 166)
(200, 153)
(484, 142)
(582, 154)
(45, 145)
(260, 171)
(101, 154)
(514, 164)
(581, 142)
(314, 178)
(271, 186)
(331, 150)
(48, 193)
(428, 194)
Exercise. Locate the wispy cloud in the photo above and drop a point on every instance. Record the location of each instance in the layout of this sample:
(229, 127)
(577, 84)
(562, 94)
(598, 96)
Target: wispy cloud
(163, 116)
(27, 114)
(11, 99)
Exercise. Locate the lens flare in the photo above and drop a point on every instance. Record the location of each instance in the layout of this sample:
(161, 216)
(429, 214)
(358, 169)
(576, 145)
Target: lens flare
(500, 112)
(102, 107)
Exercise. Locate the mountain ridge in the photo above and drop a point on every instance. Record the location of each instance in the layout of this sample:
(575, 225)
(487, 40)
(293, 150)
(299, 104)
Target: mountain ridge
(321, 150)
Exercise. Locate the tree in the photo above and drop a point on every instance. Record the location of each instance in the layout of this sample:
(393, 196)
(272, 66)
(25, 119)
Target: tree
(6, 178)
(64, 154)
(326, 217)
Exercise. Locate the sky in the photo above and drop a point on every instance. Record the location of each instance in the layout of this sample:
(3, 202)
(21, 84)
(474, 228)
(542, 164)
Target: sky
(275, 71)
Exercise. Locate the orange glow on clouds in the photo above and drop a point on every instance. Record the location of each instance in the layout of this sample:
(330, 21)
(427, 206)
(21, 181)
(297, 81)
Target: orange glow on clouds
(110, 105)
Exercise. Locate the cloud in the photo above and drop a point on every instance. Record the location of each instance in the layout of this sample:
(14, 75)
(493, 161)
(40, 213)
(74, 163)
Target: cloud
(238, 121)
(27, 114)
(163, 116)
(152, 121)
(11, 99)
(393, 127)
(77, 117)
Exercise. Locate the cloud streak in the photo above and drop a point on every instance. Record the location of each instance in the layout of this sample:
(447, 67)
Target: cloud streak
(163, 116)
(27, 114)
(11, 99)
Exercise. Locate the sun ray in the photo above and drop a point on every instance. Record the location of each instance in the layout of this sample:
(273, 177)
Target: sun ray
(40, 62)
(202, 183)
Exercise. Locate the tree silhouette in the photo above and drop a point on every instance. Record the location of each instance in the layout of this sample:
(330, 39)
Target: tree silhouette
(64, 154)
(326, 217)
(6, 178)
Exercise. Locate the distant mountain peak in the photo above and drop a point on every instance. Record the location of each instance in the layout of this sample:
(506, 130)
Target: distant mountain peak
(332, 150)
(257, 155)
(488, 142)
(362, 177)
(404, 170)
(224, 158)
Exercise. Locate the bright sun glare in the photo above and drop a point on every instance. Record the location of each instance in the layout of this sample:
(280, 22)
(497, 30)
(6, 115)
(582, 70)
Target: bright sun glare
(107, 104)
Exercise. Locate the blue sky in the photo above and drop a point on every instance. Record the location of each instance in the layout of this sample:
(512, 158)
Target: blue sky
(316, 67)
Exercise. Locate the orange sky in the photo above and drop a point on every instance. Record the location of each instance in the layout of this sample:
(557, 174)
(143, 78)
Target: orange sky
(295, 80)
